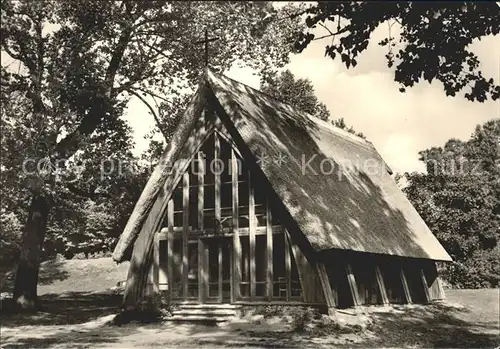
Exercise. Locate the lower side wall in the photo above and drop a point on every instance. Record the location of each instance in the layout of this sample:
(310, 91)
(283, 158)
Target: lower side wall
(363, 279)
(354, 279)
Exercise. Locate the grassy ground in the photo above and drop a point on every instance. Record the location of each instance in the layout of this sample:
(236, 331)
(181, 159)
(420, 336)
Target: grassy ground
(74, 315)
(78, 275)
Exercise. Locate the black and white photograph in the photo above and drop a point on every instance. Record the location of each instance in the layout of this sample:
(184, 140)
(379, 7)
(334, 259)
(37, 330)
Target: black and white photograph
(249, 174)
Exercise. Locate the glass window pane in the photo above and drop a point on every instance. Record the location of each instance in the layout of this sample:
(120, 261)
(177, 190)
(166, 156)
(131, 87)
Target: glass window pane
(245, 258)
(278, 257)
(260, 290)
(193, 171)
(177, 268)
(193, 208)
(178, 219)
(177, 196)
(227, 195)
(225, 156)
(260, 257)
(209, 192)
(245, 290)
(208, 152)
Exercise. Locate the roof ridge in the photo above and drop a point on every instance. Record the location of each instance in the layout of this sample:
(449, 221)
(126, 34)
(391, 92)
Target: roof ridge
(329, 126)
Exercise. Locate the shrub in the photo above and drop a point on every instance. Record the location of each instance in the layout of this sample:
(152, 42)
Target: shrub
(302, 317)
(99, 254)
(480, 271)
(10, 237)
(270, 311)
(80, 255)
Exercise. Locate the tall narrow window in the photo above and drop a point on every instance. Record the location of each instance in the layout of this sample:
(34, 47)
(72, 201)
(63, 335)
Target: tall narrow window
(260, 203)
(245, 267)
(260, 265)
(193, 207)
(177, 289)
(296, 289)
(193, 270)
(279, 269)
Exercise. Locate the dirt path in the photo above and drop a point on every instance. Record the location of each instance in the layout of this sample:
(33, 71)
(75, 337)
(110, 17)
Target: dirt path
(80, 320)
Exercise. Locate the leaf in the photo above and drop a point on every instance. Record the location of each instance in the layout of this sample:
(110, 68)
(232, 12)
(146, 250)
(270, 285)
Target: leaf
(427, 39)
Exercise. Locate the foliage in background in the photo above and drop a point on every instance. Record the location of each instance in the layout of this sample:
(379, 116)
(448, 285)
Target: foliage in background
(91, 209)
(425, 40)
(459, 199)
(72, 66)
(300, 94)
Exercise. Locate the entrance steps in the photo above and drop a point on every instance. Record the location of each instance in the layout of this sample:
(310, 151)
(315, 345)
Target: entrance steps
(203, 313)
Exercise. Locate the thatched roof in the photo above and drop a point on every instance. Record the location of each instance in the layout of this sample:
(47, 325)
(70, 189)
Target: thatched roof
(353, 204)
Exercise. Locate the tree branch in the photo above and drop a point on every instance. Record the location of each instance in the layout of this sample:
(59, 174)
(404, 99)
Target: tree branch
(92, 119)
(155, 116)
(83, 193)
(341, 31)
(163, 54)
(151, 94)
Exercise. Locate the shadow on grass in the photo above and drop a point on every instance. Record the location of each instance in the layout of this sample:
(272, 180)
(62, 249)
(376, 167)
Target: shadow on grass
(63, 309)
(50, 271)
(437, 325)
(66, 339)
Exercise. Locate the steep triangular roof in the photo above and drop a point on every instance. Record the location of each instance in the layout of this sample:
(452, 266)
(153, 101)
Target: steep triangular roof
(335, 185)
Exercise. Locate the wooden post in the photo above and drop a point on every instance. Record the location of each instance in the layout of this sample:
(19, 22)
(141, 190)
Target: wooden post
(170, 247)
(352, 285)
(236, 238)
(202, 277)
(218, 227)
(406, 289)
(269, 247)
(288, 267)
(185, 233)
(327, 289)
(217, 173)
(156, 264)
(381, 285)
(251, 237)
(425, 286)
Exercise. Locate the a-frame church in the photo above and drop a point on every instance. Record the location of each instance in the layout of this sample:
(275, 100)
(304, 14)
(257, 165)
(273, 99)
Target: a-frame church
(255, 202)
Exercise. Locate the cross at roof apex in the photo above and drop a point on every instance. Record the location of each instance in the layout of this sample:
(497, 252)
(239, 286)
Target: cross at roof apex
(205, 41)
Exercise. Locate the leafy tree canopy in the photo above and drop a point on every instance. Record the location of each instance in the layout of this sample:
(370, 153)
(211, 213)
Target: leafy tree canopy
(459, 199)
(432, 42)
(300, 94)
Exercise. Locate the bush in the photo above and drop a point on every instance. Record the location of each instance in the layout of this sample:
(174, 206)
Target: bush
(302, 317)
(270, 311)
(100, 254)
(80, 255)
(482, 270)
(10, 237)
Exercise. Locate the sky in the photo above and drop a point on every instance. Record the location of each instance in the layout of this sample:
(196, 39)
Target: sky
(398, 124)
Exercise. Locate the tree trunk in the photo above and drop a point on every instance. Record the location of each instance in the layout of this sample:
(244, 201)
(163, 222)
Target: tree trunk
(25, 289)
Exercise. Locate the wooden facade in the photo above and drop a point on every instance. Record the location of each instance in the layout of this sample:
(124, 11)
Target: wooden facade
(219, 242)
